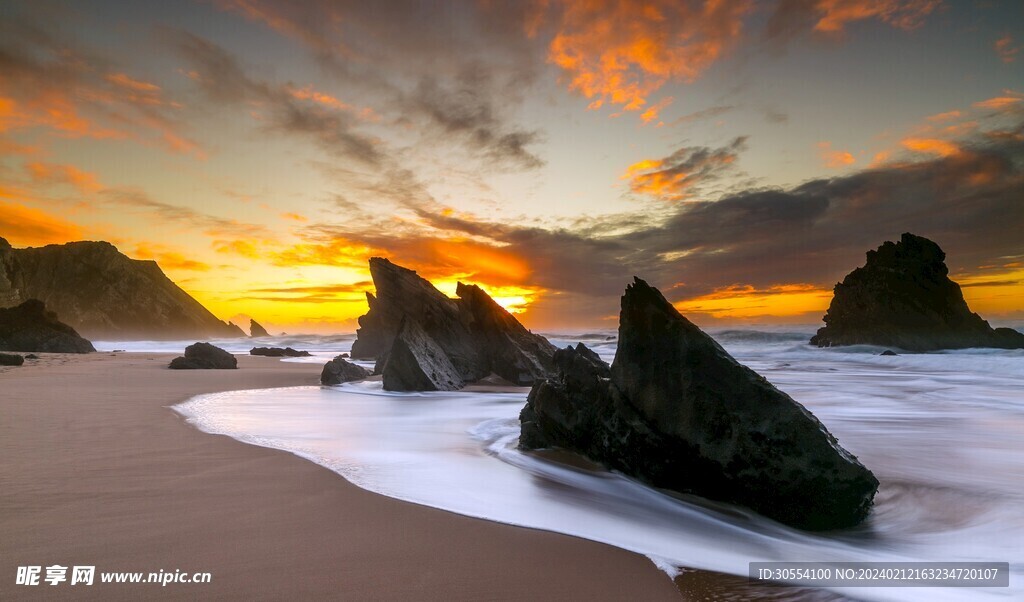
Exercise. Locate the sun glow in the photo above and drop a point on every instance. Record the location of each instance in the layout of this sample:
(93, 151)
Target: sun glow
(744, 302)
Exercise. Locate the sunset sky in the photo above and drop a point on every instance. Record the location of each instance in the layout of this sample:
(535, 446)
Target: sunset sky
(742, 156)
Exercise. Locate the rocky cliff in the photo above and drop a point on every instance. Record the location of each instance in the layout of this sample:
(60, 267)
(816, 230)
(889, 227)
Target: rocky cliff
(104, 294)
(903, 297)
(677, 411)
(444, 343)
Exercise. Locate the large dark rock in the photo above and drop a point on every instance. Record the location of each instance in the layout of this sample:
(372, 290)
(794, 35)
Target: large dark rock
(30, 327)
(505, 346)
(279, 352)
(10, 359)
(102, 293)
(476, 336)
(903, 297)
(417, 363)
(339, 371)
(678, 412)
(204, 356)
(255, 330)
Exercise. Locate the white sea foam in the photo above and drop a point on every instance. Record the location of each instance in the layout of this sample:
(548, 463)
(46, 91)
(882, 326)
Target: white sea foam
(943, 432)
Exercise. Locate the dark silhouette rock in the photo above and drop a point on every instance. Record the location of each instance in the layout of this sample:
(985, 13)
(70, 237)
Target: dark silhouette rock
(417, 363)
(102, 293)
(339, 371)
(888, 352)
(31, 356)
(903, 297)
(505, 346)
(476, 335)
(279, 352)
(30, 327)
(255, 330)
(10, 359)
(204, 356)
(677, 411)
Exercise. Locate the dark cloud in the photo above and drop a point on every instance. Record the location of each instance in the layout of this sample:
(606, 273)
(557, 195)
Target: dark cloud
(466, 108)
(708, 113)
(221, 77)
(457, 73)
(810, 234)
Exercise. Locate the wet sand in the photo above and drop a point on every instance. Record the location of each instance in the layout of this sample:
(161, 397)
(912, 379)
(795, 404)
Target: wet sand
(95, 469)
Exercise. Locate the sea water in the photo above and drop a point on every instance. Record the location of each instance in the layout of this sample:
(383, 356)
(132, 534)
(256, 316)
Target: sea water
(943, 432)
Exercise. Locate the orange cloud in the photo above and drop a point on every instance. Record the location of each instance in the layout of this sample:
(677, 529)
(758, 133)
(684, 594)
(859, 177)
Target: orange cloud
(947, 116)
(931, 146)
(654, 110)
(1005, 49)
(50, 173)
(294, 216)
(999, 103)
(676, 177)
(322, 98)
(237, 247)
(124, 81)
(620, 52)
(881, 158)
(50, 109)
(834, 158)
(25, 226)
(904, 14)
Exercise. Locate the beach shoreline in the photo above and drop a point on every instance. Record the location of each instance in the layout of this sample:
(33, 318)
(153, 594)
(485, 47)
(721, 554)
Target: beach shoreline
(100, 470)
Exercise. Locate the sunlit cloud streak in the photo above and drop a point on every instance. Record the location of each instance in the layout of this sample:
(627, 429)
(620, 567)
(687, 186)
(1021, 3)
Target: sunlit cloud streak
(48, 82)
(678, 176)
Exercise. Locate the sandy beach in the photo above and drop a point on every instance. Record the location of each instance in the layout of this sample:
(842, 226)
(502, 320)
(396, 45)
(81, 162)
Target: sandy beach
(98, 470)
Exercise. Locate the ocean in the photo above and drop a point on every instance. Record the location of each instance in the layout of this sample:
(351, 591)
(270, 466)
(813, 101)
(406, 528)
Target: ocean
(943, 432)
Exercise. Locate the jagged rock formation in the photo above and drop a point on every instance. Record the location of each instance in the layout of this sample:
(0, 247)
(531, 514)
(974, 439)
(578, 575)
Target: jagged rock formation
(417, 363)
(449, 342)
(204, 356)
(30, 327)
(278, 352)
(255, 330)
(10, 359)
(677, 411)
(903, 297)
(102, 293)
(339, 371)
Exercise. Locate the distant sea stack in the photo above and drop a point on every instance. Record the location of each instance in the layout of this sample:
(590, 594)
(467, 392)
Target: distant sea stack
(31, 327)
(104, 294)
(675, 410)
(424, 340)
(255, 330)
(903, 297)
